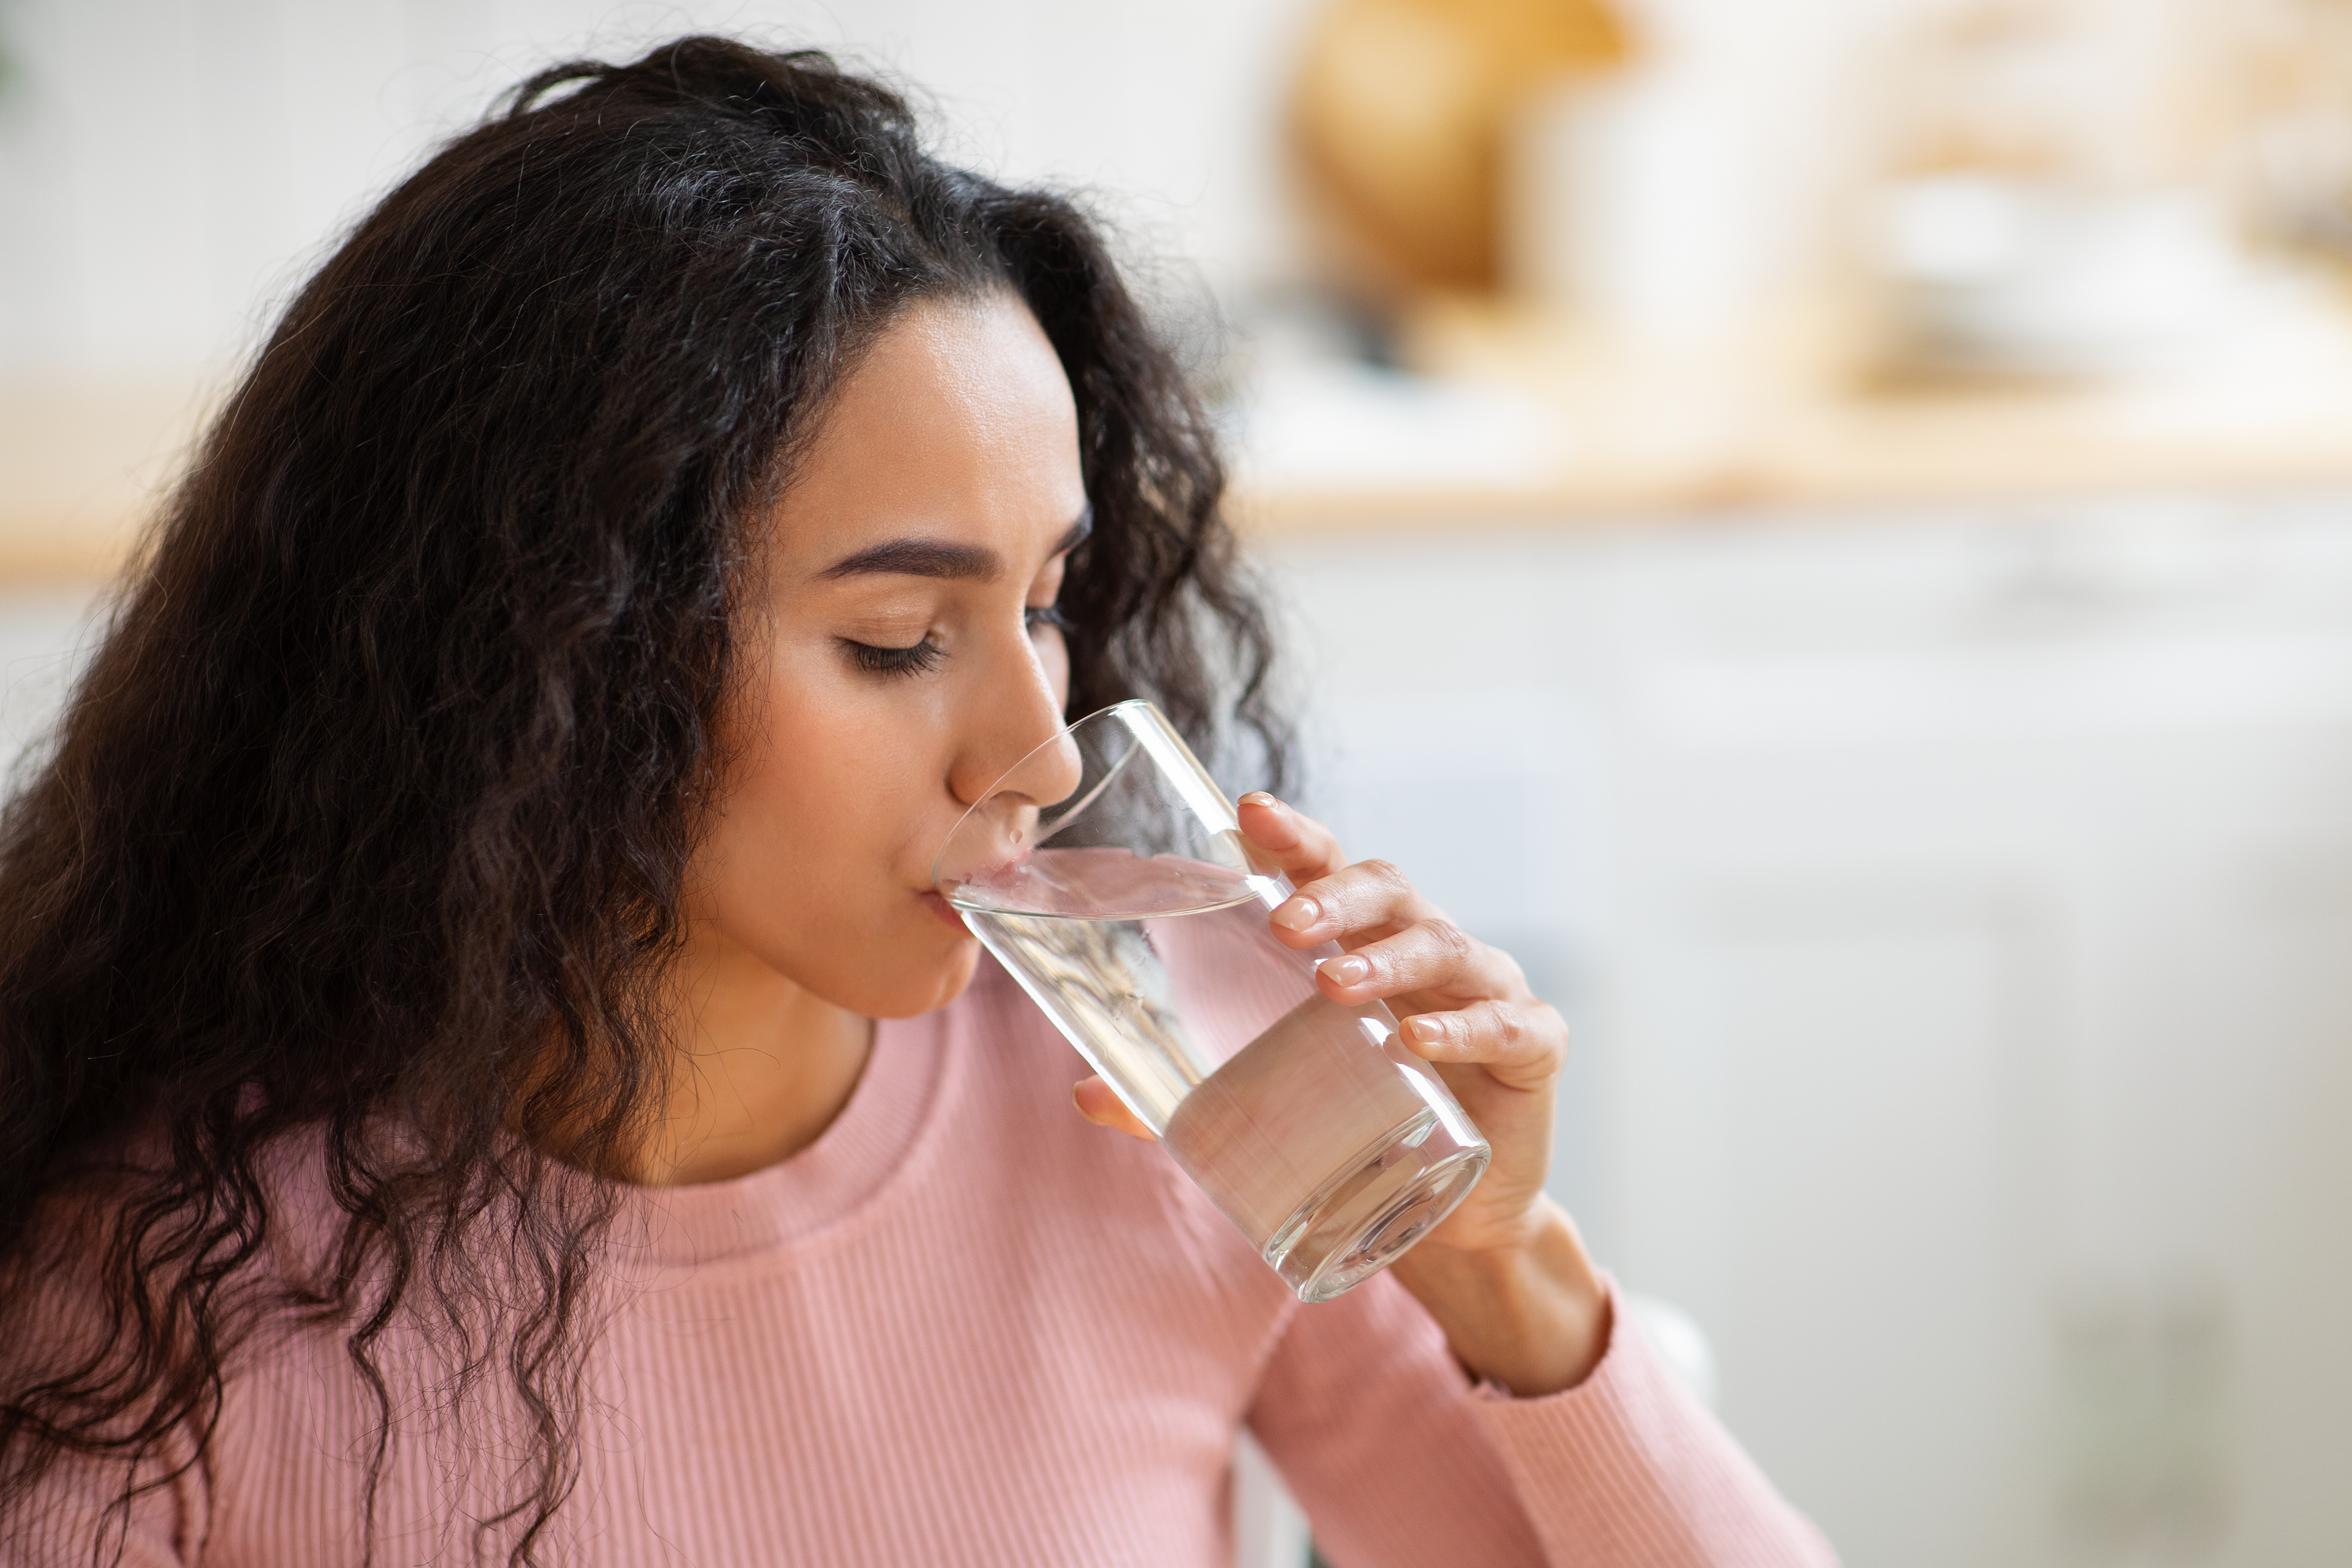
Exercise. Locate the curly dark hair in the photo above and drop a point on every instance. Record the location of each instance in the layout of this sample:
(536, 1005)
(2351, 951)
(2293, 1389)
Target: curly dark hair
(368, 820)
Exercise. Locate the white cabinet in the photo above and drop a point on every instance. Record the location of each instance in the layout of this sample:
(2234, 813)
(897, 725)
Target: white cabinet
(1956, 918)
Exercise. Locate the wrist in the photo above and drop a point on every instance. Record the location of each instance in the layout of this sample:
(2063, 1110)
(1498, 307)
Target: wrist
(1532, 1314)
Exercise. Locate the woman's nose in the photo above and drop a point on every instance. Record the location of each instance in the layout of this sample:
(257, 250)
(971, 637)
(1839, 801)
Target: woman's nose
(1009, 721)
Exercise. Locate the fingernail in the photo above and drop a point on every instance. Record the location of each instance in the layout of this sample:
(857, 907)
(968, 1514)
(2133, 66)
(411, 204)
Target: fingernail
(1428, 1031)
(1298, 914)
(1347, 971)
(1259, 798)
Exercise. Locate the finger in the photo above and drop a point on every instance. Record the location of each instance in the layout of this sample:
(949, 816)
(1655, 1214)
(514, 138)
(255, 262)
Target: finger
(1100, 1104)
(1522, 1043)
(1300, 848)
(1428, 955)
(1372, 897)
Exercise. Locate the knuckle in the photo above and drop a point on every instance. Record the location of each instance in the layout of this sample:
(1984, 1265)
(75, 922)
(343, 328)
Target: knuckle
(1386, 874)
(1452, 942)
(1332, 885)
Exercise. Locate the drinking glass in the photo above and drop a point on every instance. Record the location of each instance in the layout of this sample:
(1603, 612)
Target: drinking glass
(1108, 874)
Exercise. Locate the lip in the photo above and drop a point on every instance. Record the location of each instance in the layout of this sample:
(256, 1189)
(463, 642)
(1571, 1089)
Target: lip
(945, 910)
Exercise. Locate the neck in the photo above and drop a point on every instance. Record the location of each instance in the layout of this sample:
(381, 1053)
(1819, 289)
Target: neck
(766, 1067)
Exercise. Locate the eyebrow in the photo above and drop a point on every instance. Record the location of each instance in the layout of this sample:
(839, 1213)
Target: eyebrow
(919, 557)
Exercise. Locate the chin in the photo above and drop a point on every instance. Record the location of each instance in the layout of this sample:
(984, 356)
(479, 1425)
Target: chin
(927, 976)
(959, 975)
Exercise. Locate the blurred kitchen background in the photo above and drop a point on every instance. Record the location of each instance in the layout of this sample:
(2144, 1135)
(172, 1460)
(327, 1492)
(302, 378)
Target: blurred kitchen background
(1824, 525)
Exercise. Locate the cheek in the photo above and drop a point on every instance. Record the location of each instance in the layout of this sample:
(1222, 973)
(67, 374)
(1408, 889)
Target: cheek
(811, 867)
(824, 796)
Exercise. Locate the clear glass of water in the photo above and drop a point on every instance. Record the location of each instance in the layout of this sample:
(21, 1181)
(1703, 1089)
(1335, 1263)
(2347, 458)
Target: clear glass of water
(1108, 874)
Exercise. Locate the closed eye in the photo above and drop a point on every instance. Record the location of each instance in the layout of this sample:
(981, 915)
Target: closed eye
(914, 658)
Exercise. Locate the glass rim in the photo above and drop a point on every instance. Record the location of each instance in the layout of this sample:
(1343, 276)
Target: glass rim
(1200, 792)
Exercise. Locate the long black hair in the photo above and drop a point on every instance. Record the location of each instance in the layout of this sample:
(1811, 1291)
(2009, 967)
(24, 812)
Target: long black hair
(367, 821)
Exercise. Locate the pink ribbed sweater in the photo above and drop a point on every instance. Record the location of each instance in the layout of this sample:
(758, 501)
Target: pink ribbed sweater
(966, 1328)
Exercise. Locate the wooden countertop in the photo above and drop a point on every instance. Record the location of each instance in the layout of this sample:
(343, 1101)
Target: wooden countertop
(1790, 415)
(1780, 417)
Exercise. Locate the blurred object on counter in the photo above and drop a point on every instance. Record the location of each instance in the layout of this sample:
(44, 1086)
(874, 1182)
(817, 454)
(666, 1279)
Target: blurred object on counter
(1402, 122)
(2005, 277)
(1312, 401)
(2116, 93)
(2294, 167)
(1400, 118)
(2058, 200)
(1634, 204)
(1341, 427)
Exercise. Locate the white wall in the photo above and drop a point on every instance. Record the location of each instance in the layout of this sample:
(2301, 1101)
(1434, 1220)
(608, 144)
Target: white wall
(169, 169)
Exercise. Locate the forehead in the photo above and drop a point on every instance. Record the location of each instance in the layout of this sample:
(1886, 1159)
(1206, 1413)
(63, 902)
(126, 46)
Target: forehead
(956, 424)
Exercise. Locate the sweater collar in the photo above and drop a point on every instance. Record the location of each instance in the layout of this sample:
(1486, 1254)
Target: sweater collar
(795, 1200)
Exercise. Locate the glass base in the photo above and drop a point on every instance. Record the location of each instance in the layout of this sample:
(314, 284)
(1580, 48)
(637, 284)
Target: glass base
(1369, 1216)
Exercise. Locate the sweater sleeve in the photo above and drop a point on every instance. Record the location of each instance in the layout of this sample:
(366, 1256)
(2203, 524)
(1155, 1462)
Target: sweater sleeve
(1398, 1459)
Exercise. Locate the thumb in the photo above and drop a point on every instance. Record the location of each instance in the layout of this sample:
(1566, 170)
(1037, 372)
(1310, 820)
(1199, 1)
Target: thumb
(1100, 1104)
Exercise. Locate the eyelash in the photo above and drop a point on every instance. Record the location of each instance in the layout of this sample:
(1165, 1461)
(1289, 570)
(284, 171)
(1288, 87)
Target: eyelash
(920, 657)
(914, 658)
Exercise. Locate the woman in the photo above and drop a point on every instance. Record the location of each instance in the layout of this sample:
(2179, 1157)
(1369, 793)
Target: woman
(446, 1118)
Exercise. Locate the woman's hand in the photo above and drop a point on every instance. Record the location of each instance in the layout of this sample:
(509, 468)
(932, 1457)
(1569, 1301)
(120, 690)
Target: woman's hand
(1505, 1275)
